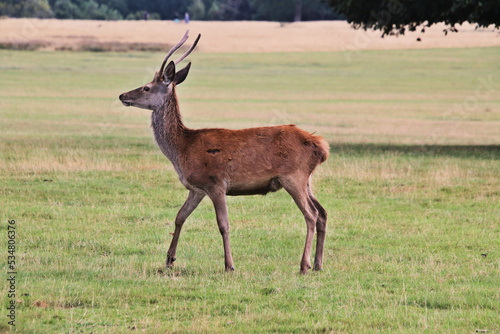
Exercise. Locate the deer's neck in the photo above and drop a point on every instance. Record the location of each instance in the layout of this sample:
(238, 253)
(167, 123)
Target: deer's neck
(169, 131)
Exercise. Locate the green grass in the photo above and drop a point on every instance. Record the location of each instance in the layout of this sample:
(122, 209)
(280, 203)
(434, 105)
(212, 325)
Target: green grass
(411, 188)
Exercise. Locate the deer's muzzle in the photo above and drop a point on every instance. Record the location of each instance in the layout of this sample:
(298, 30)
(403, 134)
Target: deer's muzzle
(124, 101)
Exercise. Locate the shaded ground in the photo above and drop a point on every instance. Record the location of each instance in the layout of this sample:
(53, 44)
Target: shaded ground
(456, 151)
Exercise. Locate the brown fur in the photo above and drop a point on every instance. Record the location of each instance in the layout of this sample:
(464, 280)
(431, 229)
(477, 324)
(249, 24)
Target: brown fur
(247, 160)
(221, 162)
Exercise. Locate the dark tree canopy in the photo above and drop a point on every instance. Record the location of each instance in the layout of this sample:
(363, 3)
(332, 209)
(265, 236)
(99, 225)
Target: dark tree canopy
(395, 16)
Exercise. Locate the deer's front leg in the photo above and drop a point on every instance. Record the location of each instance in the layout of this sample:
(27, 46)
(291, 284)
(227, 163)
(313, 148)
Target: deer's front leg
(219, 200)
(194, 198)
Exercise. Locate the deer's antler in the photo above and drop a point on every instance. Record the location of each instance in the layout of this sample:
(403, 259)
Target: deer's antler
(188, 51)
(172, 50)
(175, 48)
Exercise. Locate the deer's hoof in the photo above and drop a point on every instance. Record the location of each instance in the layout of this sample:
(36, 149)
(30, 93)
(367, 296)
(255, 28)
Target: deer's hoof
(170, 262)
(229, 269)
(304, 269)
(318, 268)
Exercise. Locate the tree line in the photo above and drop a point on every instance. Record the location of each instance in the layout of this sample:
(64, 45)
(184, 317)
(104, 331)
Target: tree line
(266, 10)
(389, 16)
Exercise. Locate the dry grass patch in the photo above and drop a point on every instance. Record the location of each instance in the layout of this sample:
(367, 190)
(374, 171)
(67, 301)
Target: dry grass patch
(224, 37)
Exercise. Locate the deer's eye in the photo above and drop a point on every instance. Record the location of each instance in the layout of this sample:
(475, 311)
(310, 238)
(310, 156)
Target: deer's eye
(146, 88)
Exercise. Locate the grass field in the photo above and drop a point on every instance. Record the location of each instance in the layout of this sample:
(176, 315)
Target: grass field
(411, 187)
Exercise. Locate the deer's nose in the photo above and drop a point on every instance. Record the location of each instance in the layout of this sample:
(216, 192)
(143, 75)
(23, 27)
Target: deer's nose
(121, 97)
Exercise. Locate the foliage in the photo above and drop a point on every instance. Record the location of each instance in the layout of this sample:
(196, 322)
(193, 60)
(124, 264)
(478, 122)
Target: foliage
(140, 15)
(395, 16)
(276, 10)
(279, 10)
(65, 9)
(94, 198)
(25, 8)
(197, 10)
(232, 9)
(285, 10)
(215, 12)
(84, 9)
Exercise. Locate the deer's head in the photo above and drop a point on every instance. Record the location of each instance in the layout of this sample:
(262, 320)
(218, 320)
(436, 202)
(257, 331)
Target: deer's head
(154, 94)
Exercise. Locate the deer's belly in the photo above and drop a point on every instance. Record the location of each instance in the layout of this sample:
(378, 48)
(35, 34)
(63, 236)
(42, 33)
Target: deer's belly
(255, 187)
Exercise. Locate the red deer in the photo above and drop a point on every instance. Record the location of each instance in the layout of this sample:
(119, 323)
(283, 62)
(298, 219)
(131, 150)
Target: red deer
(223, 162)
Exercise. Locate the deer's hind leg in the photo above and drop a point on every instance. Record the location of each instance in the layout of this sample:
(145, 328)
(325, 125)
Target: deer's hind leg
(220, 204)
(297, 187)
(320, 230)
(194, 198)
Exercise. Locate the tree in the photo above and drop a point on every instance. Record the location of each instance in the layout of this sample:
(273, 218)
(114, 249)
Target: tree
(120, 5)
(65, 9)
(292, 10)
(298, 11)
(25, 8)
(84, 9)
(197, 10)
(229, 10)
(268, 10)
(395, 16)
(277, 10)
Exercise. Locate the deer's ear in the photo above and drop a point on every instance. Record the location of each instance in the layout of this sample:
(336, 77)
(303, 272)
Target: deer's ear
(169, 75)
(182, 74)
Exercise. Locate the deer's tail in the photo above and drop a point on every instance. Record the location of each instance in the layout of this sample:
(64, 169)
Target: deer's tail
(323, 149)
(320, 147)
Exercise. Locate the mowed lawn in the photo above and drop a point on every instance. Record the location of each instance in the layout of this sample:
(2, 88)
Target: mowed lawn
(411, 187)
